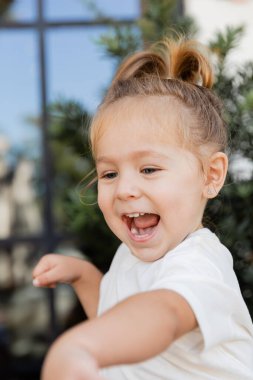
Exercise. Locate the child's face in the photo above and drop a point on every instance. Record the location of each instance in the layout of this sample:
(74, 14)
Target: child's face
(150, 189)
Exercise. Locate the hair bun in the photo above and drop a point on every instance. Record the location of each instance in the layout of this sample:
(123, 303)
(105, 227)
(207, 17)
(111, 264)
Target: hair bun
(186, 60)
(170, 59)
(141, 64)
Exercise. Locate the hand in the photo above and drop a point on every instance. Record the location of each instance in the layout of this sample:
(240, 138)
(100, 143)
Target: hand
(85, 278)
(53, 269)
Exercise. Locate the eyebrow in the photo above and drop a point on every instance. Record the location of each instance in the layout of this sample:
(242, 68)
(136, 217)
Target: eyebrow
(136, 154)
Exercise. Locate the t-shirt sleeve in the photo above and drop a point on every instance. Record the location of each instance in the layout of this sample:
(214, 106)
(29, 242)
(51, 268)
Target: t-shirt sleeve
(201, 283)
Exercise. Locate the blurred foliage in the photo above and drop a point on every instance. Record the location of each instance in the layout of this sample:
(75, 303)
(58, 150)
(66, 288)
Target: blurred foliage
(120, 41)
(163, 19)
(157, 20)
(225, 42)
(230, 214)
(232, 211)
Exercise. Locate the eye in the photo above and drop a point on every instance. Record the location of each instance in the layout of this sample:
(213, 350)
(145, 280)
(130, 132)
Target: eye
(109, 175)
(149, 170)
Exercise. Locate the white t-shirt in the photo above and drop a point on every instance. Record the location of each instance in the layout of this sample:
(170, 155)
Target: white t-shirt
(201, 270)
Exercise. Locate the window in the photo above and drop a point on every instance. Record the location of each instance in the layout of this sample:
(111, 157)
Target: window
(49, 63)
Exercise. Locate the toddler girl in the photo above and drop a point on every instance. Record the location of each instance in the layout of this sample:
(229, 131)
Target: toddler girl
(170, 307)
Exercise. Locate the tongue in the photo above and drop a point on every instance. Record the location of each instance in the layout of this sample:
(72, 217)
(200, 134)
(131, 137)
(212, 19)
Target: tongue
(146, 221)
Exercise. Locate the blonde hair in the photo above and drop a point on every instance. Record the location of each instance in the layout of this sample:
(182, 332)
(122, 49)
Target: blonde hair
(178, 69)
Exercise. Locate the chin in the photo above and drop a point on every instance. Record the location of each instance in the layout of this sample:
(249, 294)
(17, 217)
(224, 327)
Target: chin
(147, 255)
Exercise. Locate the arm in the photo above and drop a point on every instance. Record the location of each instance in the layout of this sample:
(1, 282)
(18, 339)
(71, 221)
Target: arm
(87, 288)
(82, 275)
(134, 330)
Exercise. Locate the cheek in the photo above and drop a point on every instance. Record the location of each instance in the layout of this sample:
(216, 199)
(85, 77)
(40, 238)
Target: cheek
(104, 199)
(179, 192)
(106, 207)
(101, 199)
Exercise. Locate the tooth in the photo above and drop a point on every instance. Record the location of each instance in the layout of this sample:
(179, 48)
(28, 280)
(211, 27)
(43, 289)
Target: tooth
(134, 231)
(136, 214)
(133, 215)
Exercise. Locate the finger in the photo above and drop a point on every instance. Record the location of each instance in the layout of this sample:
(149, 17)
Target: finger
(45, 264)
(46, 279)
(37, 284)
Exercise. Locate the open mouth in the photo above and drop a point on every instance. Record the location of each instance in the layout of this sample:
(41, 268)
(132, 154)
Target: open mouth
(141, 225)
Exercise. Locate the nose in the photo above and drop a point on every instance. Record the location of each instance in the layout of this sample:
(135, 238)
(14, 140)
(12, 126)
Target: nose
(127, 188)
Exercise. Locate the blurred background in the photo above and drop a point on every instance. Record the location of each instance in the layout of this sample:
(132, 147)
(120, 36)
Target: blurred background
(57, 58)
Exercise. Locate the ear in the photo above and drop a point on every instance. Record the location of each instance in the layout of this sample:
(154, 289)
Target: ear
(216, 171)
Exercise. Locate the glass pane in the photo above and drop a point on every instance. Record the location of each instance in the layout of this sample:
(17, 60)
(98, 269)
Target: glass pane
(77, 68)
(77, 9)
(19, 136)
(18, 10)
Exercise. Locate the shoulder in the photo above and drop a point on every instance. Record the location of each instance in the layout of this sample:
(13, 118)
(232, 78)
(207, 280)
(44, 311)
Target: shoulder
(204, 239)
(200, 269)
(201, 253)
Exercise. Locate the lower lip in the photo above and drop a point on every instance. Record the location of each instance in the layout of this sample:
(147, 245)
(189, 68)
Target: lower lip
(142, 238)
